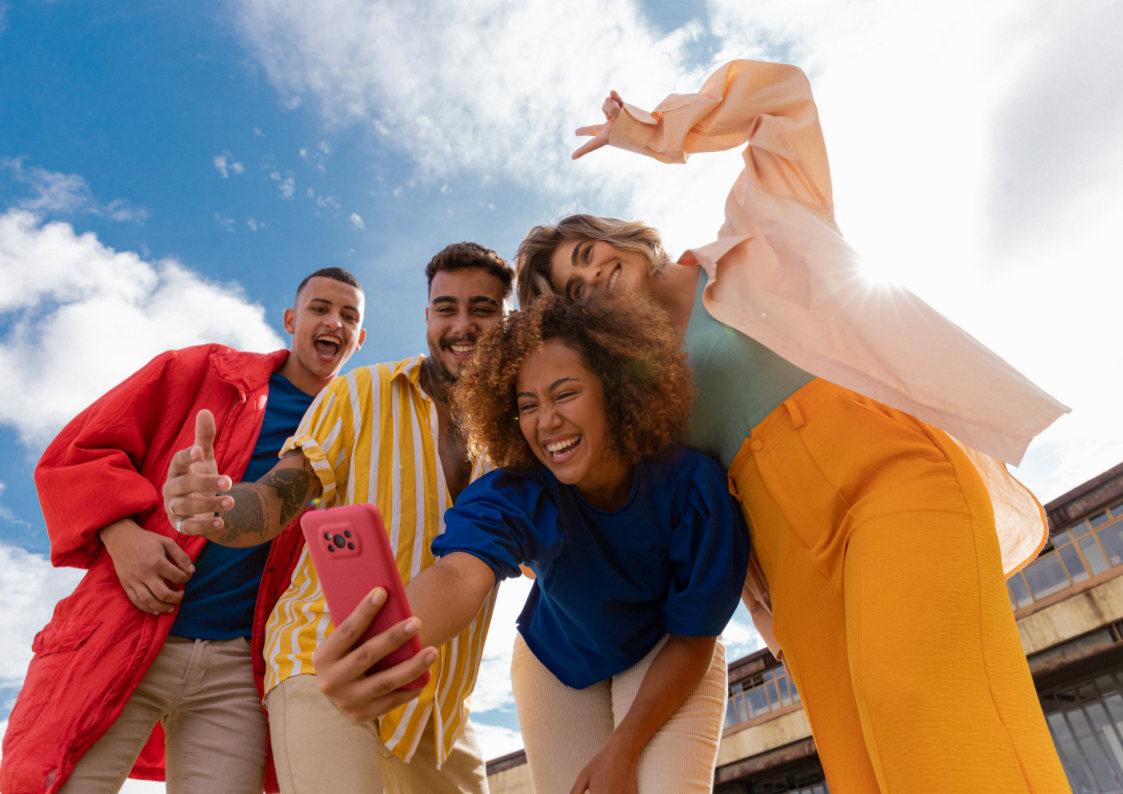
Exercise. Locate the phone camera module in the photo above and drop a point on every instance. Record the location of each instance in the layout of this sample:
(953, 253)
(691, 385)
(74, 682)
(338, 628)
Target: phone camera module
(339, 541)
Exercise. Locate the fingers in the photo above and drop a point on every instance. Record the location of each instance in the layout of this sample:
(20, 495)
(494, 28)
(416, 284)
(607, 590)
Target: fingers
(171, 572)
(588, 146)
(143, 599)
(178, 559)
(372, 696)
(592, 129)
(182, 460)
(582, 784)
(204, 433)
(198, 525)
(166, 597)
(199, 504)
(347, 633)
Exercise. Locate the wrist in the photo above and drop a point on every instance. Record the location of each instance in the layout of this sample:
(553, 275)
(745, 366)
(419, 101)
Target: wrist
(110, 533)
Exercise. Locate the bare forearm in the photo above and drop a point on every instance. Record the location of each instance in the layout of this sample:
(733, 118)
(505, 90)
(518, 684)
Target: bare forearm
(672, 678)
(263, 508)
(447, 595)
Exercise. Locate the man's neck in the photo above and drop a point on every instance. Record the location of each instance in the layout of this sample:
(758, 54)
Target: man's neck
(436, 383)
(301, 378)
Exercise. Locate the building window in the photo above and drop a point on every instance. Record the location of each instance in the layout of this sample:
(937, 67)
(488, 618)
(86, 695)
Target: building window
(757, 695)
(1086, 720)
(1082, 551)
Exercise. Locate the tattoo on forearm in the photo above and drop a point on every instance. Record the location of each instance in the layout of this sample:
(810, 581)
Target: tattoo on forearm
(254, 518)
(246, 518)
(294, 487)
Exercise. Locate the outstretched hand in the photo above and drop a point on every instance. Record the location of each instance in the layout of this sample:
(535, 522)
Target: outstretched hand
(600, 132)
(342, 668)
(195, 492)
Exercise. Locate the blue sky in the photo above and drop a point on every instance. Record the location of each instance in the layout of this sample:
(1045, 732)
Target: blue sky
(168, 173)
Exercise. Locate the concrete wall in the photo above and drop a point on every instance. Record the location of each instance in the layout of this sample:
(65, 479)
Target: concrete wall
(1076, 615)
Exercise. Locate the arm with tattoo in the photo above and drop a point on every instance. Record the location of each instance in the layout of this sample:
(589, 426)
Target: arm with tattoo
(263, 508)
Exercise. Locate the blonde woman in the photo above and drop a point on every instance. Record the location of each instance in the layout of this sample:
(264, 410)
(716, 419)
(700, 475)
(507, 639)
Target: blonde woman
(880, 541)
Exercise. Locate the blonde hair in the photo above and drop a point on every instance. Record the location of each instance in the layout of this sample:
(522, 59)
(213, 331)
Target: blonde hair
(532, 262)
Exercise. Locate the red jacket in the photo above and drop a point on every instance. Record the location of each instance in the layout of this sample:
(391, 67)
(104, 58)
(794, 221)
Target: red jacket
(110, 463)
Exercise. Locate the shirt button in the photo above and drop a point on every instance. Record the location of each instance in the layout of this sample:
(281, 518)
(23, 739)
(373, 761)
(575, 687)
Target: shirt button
(756, 445)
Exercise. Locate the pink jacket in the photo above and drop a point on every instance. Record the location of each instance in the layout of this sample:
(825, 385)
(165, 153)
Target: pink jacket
(781, 273)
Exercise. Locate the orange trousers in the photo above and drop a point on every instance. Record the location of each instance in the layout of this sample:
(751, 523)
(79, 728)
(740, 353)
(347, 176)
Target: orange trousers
(877, 539)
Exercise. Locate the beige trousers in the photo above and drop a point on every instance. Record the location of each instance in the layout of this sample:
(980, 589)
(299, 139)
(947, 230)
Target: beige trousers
(563, 728)
(317, 749)
(202, 691)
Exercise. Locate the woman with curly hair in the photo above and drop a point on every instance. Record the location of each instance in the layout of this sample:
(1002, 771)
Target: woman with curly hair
(879, 541)
(638, 550)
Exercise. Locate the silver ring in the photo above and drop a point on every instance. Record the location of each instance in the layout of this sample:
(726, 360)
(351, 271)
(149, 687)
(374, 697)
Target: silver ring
(178, 525)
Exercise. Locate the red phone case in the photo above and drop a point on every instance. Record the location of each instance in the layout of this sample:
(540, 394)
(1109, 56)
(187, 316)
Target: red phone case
(352, 556)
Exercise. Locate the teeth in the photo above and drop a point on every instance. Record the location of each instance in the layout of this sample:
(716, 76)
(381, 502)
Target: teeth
(612, 280)
(561, 446)
(463, 348)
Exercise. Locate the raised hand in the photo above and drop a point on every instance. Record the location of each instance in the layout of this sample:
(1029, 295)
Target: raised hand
(194, 491)
(342, 668)
(600, 132)
(147, 565)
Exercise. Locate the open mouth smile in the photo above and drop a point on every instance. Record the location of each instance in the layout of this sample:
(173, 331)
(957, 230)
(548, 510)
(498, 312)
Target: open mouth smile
(562, 449)
(611, 288)
(328, 346)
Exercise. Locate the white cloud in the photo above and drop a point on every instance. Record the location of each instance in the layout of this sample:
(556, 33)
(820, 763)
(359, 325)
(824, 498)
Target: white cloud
(357, 221)
(79, 317)
(253, 224)
(285, 184)
(31, 588)
(6, 514)
(496, 740)
(56, 193)
(226, 165)
(225, 222)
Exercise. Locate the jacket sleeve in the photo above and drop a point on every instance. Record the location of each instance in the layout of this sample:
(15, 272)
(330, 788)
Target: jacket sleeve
(90, 475)
(767, 105)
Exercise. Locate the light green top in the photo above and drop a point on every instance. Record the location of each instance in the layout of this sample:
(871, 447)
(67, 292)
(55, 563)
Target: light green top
(737, 382)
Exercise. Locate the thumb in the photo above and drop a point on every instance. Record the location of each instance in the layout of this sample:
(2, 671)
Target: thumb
(204, 433)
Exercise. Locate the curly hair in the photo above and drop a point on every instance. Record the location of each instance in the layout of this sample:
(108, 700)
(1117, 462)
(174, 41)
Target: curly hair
(628, 343)
(532, 261)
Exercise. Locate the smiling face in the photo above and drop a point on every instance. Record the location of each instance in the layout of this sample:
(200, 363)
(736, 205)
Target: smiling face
(579, 268)
(326, 327)
(463, 304)
(563, 417)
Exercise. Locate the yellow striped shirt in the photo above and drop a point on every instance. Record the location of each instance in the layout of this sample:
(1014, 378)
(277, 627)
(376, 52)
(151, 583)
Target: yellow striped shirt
(371, 437)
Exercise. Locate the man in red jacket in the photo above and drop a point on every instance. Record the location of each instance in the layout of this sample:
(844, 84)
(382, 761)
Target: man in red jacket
(158, 652)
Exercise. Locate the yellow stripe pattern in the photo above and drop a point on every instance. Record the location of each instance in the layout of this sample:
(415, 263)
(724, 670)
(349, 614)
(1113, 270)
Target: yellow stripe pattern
(370, 436)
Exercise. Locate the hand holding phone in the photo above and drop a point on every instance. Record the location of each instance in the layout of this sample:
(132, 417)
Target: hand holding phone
(352, 556)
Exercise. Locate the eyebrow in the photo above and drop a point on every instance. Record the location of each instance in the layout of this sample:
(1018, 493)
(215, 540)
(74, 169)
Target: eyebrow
(475, 299)
(573, 254)
(551, 387)
(329, 303)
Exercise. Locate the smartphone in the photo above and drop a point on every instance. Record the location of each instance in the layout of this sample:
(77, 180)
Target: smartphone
(352, 556)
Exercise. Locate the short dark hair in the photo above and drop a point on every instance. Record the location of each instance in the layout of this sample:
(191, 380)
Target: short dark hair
(334, 273)
(462, 255)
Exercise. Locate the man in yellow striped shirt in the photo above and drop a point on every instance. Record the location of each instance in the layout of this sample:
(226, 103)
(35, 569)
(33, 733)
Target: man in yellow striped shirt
(381, 434)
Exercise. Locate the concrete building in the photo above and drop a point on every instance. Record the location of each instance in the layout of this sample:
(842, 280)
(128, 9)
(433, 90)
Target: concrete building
(1069, 607)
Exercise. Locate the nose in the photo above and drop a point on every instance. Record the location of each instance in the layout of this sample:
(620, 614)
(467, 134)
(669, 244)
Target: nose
(548, 418)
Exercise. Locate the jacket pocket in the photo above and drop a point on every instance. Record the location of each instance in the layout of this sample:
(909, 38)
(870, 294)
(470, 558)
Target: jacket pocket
(60, 636)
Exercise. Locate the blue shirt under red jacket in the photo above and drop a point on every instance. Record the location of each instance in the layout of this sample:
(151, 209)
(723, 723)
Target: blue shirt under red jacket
(109, 463)
(609, 584)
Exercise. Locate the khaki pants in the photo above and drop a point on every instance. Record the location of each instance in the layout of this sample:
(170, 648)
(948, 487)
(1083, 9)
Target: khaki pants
(317, 749)
(563, 728)
(203, 693)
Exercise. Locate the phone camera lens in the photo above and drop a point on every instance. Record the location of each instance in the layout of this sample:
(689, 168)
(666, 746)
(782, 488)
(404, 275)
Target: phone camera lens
(339, 541)
(351, 545)
(347, 532)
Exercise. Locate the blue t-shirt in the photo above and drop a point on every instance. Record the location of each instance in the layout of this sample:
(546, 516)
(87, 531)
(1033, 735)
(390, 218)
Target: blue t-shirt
(609, 584)
(218, 601)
